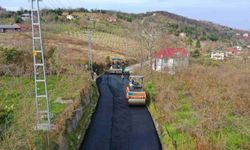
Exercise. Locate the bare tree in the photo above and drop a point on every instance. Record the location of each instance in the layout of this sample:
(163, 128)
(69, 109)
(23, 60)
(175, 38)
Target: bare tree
(150, 34)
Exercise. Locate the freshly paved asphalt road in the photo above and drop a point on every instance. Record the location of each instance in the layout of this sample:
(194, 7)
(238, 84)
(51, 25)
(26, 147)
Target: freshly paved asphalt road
(117, 126)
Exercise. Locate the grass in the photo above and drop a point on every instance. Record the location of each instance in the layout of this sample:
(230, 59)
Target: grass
(60, 27)
(204, 107)
(17, 98)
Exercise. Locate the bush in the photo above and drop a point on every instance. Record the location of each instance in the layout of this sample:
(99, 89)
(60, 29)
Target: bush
(18, 20)
(58, 11)
(108, 61)
(213, 37)
(98, 68)
(7, 15)
(198, 44)
(150, 89)
(125, 17)
(11, 55)
(195, 54)
(189, 41)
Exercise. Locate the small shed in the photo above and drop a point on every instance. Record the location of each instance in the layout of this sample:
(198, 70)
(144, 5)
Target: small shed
(170, 59)
(5, 28)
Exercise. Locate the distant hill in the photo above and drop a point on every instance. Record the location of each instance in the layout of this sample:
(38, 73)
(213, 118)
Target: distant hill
(119, 34)
(2, 9)
(168, 23)
(202, 30)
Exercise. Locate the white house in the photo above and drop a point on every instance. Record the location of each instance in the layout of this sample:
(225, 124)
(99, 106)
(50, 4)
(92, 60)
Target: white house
(182, 35)
(239, 48)
(238, 34)
(170, 59)
(218, 55)
(245, 35)
(70, 17)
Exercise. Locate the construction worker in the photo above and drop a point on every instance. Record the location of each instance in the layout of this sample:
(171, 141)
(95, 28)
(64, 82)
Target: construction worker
(123, 67)
(131, 84)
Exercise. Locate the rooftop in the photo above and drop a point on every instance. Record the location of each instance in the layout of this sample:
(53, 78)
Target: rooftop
(9, 27)
(172, 52)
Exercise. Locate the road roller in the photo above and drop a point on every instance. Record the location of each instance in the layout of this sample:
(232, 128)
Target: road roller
(134, 92)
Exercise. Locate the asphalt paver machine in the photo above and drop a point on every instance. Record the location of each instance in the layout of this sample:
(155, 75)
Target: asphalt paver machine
(117, 66)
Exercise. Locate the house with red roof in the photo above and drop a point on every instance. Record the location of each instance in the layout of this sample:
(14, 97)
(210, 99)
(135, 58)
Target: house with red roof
(232, 51)
(170, 59)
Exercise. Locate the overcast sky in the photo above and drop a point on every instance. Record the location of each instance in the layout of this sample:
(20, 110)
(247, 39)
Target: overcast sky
(233, 13)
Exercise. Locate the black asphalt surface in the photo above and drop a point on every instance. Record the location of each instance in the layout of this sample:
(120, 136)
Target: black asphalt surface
(117, 126)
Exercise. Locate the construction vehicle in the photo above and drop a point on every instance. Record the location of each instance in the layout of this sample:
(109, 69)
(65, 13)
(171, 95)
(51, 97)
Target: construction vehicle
(134, 92)
(117, 66)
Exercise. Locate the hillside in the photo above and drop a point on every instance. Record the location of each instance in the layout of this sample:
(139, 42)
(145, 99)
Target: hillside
(117, 33)
(204, 106)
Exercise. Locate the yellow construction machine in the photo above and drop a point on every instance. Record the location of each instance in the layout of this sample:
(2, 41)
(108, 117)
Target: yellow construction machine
(134, 92)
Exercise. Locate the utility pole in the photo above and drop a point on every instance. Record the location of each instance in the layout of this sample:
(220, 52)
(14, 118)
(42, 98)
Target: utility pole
(90, 54)
(42, 99)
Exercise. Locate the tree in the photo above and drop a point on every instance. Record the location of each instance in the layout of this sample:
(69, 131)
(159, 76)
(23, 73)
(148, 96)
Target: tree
(198, 44)
(150, 35)
(56, 18)
(108, 61)
(18, 20)
(189, 41)
(213, 37)
(195, 53)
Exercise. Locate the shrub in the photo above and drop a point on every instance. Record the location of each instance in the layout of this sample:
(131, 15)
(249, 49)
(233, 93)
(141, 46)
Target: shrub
(11, 55)
(211, 110)
(18, 20)
(108, 61)
(213, 37)
(189, 41)
(195, 54)
(150, 89)
(58, 11)
(198, 44)
(125, 17)
(98, 68)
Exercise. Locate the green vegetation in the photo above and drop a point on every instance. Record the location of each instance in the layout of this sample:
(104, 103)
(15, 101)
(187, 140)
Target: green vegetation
(198, 44)
(195, 54)
(213, 37)
(150, 89)
(201, 108)
(81, 129)
(126, 17)
(17, 111)
(10, 55)
(18, 20)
